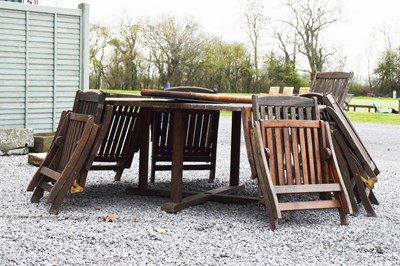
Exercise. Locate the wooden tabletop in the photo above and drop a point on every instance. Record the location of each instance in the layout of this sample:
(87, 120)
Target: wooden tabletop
(174, 104)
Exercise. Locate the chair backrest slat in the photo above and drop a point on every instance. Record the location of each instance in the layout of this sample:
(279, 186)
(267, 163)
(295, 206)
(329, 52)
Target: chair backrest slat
(284, 108)
(295, 151)
(335, 83)
(122, 131)
(90, 103)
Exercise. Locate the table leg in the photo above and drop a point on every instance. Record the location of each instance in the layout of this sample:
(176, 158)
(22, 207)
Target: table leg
(235, 148)
(144, 151)
(177, 161)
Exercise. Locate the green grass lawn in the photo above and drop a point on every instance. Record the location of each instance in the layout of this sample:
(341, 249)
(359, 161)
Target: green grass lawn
(361, 115)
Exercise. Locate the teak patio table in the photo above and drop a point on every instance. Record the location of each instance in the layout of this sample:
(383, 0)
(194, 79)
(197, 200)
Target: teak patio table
(177, 200)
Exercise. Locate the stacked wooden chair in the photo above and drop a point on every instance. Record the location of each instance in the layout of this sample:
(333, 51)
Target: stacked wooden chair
(117, 141)
(273, 91)
(66, 157)
(121, 140)
(93, 136)
(200, 150)
(275, 108)
(287, 91)
(335, 83)
(356, 164)
(293, 155)
(304, 90)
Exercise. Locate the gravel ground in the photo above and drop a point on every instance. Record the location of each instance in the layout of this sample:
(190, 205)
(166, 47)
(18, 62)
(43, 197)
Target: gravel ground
(208, 234)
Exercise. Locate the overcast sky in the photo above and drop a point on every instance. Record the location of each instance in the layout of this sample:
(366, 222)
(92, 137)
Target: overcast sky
(361, 20)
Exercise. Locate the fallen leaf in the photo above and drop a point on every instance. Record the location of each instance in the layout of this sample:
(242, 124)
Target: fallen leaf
(110, 218)
(379, 250)
(161, 230)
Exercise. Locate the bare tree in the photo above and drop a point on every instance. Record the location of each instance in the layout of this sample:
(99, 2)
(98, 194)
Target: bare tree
(175, 46)
(310, 19)
(99, 38)
(125, 41)
(256, 21)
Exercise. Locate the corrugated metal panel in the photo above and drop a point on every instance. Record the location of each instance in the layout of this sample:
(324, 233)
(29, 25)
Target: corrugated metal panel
(41, 52)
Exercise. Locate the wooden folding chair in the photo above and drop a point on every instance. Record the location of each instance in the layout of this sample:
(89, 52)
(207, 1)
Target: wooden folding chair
(284, 107)
(287, 91)
(90, 103)
(271, 108)
(273, 91)
(355, 161)
(65, 159)
(200, 150)
(296, 157)
(334, 83)
(347, 101)
(121, 140)
(117, 140)
(304, 90)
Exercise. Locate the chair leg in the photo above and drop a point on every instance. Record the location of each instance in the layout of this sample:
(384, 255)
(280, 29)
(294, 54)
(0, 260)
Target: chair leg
(344, 218)
(82, 178)
(35, 181)
(372, 198)
(358, 189)
(118, 174)
(56, 204)
(37, 194)
(212, 174)
(153, 173)
(363, 196)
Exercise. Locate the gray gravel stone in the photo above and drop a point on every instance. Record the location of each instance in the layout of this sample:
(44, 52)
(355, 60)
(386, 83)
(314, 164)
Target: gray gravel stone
(208, 234)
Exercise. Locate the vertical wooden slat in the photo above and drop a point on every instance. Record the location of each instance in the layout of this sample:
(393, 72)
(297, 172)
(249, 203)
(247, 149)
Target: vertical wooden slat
(296, 159)
(288, 155)
(278, 112)
(317, 148)
(303, 152)
(280, 155)
(107, 137)
(203, 143)
(164, 133)
(197, 135)
(120, 128)
(311, 158)
(285, 112)
(262, 111)
(270, 113)
(324, 144)
(190, 122)
(125, 128)
(269, 142)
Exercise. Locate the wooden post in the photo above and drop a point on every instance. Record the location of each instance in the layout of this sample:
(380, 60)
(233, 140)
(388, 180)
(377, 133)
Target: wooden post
(85, 28)
(177, 156)
(235, 148)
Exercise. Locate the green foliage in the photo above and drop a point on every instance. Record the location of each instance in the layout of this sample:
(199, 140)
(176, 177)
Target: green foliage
(226, 67)
(388, 71)
(280, 73)
(147, 54)
(355, 88)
